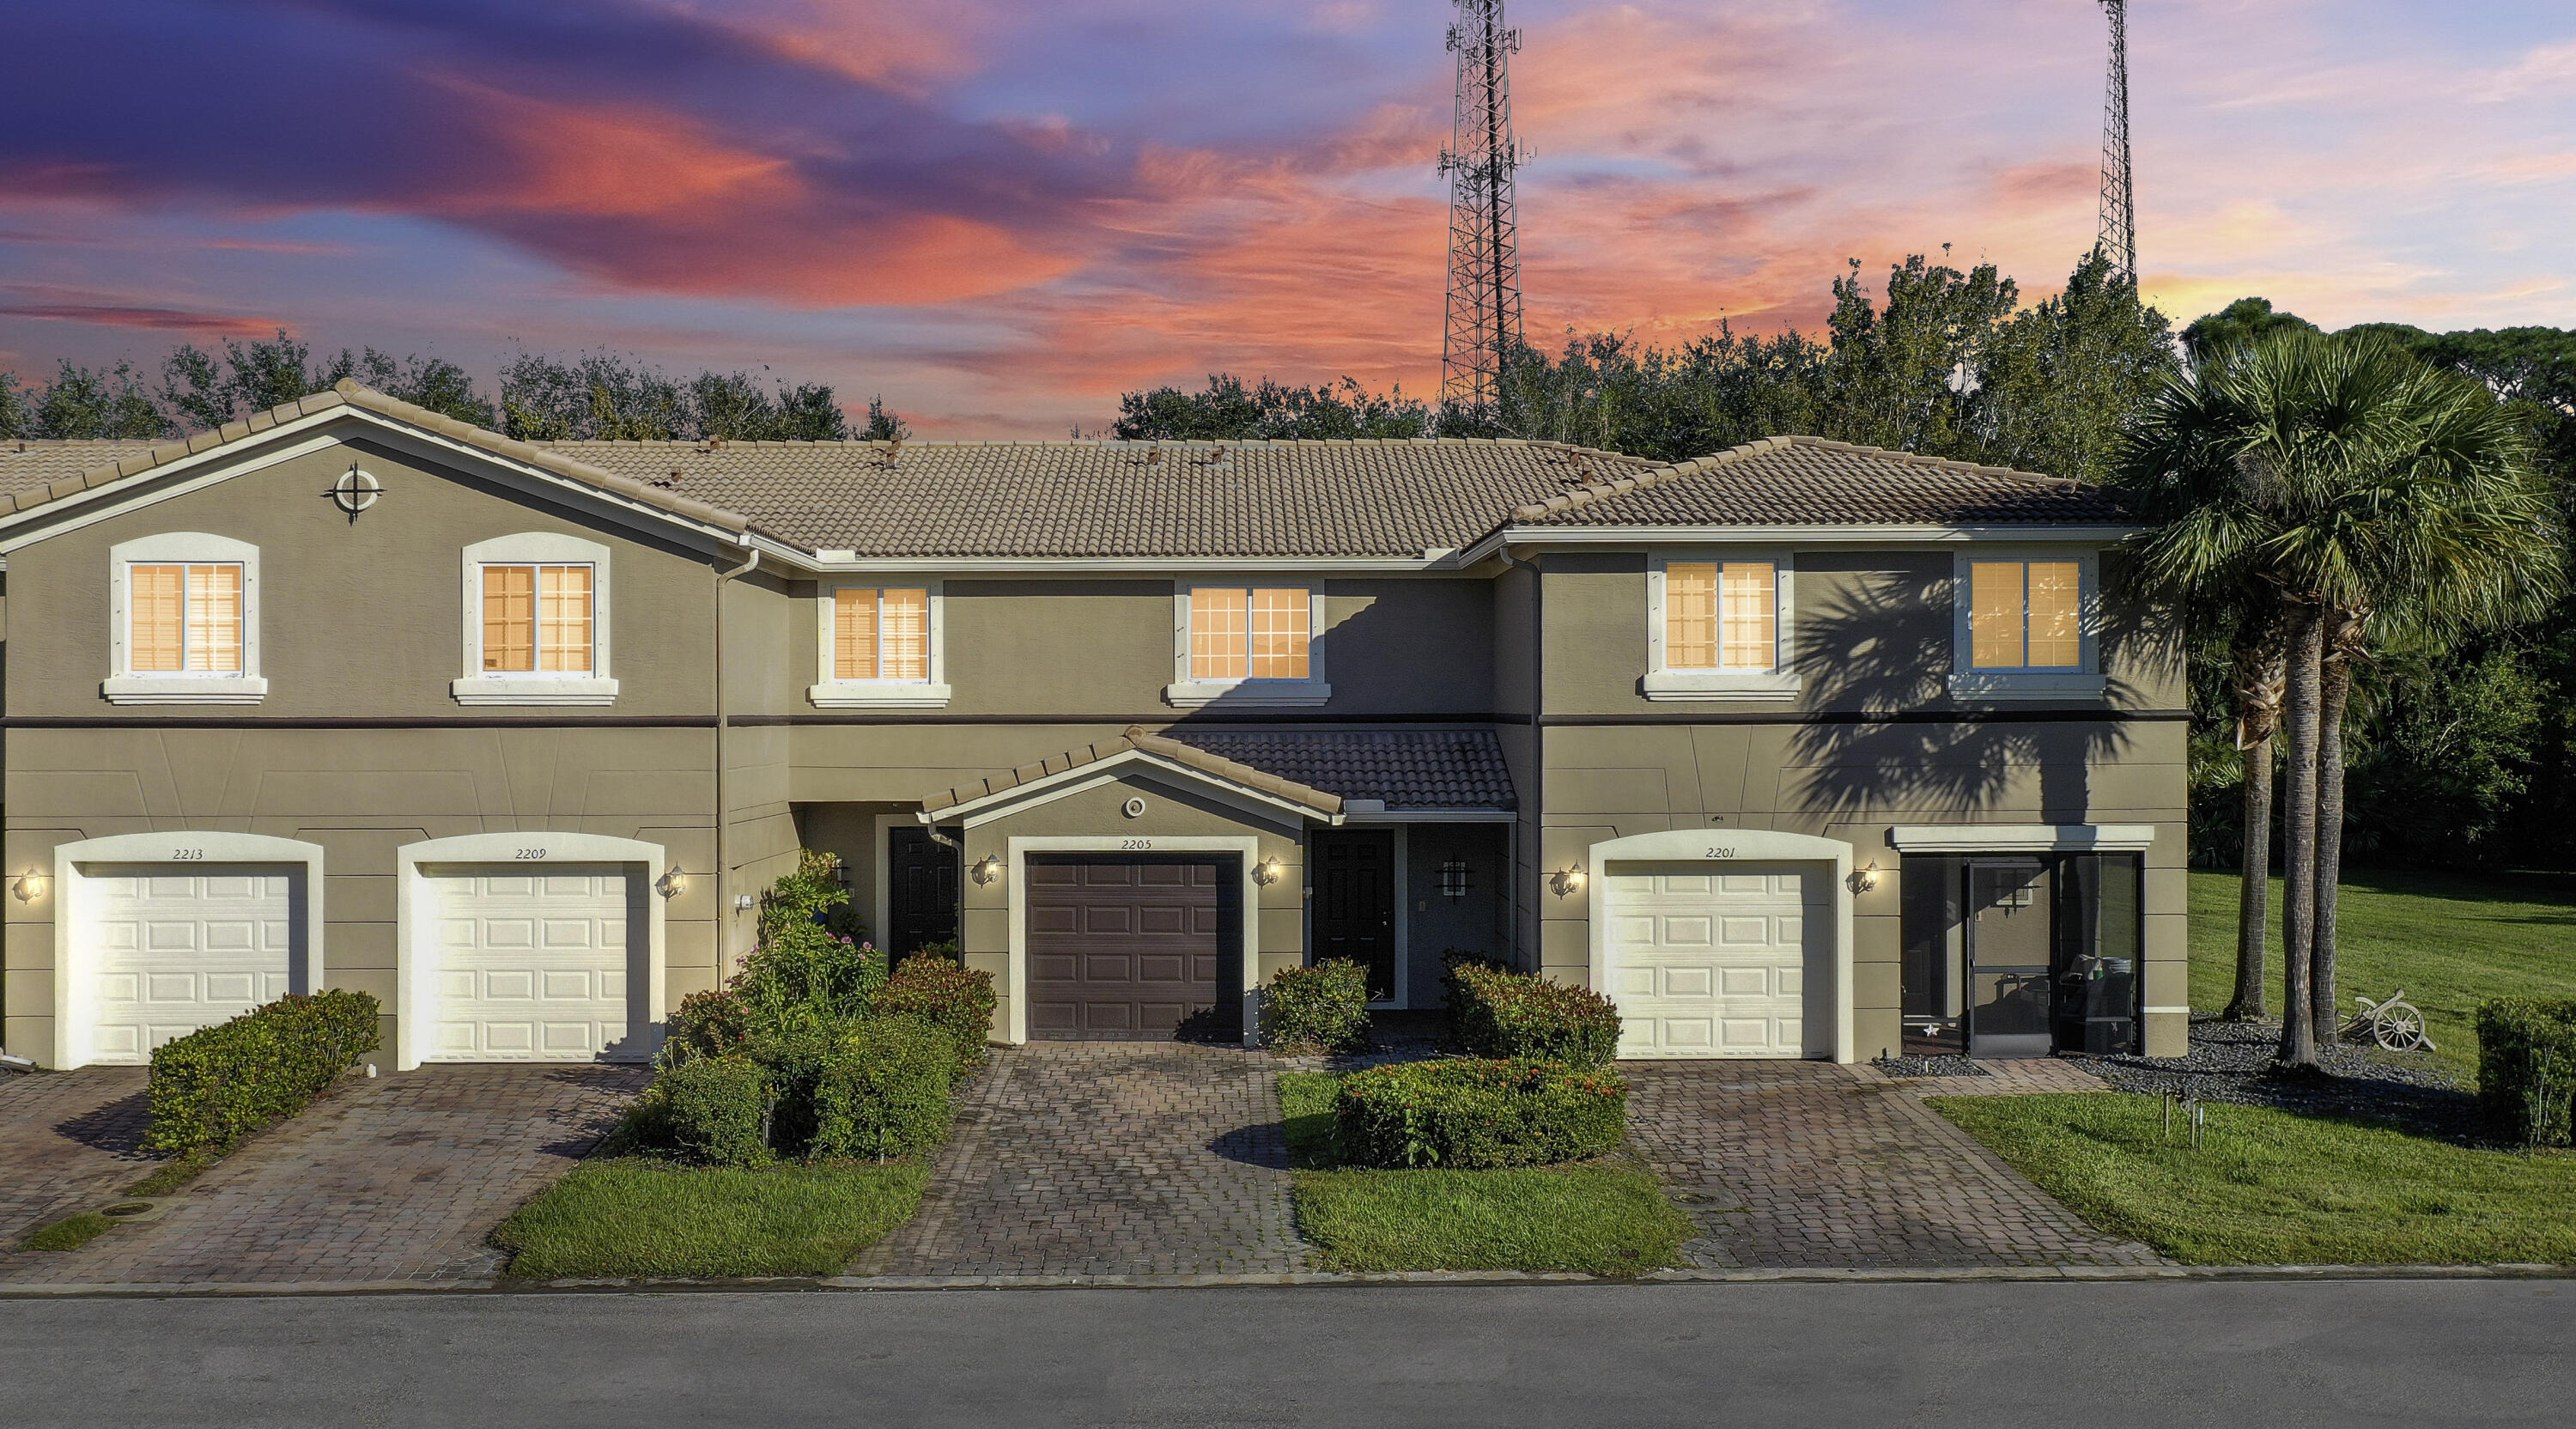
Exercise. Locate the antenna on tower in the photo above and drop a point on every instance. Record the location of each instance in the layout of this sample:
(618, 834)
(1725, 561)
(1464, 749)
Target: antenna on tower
(1484, 320)
(2118, 238)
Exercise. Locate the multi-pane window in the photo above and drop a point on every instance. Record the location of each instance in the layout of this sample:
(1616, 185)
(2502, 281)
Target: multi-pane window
(187, 619)
(880, 634)
(2025, 615)
(1721, 615)
(537, 619)
(1253, 633)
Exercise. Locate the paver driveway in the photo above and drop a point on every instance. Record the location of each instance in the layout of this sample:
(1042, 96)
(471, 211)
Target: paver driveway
(395, 1179)
(67, 1141)
(1809, 1165)
(1108, 1158)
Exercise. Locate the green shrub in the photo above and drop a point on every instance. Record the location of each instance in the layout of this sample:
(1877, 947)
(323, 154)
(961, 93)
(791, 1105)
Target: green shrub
(887, 1093)
(1472, 1114)
(1525, 1017)
(1453, 996)
(957, 999)
(2527, 1069)
(219, 1084)
(792, 1059)
(1320, 1008)
(716, 1110)
(705, 1024)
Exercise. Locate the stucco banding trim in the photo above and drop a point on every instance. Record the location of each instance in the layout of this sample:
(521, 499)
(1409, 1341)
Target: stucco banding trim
(183, 850)
(2021, 838)
(1719, 847)
(415, 966)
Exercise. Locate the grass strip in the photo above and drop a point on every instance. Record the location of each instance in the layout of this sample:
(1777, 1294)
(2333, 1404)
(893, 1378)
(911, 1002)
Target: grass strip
(176, 1172)
(1608, 1220)
(2271, 1188)
(70, 1233)
(636, 1217)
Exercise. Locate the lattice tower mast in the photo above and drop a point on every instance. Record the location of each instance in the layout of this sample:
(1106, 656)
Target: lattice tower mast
(2119, 231)
(1484, 318)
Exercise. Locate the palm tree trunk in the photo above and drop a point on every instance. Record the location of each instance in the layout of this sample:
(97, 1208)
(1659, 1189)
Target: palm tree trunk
(2299, 836)
(2253, 894)
(2334, 693)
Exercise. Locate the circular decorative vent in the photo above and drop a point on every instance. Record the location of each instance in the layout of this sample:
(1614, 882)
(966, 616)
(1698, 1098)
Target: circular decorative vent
(356, 490)
(1133, 808)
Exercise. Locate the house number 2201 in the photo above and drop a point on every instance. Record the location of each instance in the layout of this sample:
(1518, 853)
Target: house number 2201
(1715, 852)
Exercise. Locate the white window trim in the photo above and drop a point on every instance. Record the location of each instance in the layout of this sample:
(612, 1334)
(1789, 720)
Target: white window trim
(178, 687)
(2049, 683)
(1185, 693)
(534, 548)
(1780, 682)
(830, 693)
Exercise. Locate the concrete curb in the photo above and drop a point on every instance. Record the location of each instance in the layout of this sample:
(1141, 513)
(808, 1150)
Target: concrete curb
(1926, 1275)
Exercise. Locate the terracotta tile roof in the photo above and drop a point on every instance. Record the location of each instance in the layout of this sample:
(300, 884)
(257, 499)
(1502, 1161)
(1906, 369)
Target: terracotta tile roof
(29, 464)
(1139, 739)
(1808, 481)
(1114, 499)
(1406, 769)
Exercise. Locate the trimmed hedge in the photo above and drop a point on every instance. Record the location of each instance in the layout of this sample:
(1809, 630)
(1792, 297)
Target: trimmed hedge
(716, 1110)
(1319, 1008)
(2527, 1069)
(219, 1084)
(1472, 1114)
(950, 995)
(1524, 1017)
(887, 1094)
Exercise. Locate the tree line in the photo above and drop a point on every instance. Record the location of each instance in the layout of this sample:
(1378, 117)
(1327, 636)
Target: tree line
(589, 396)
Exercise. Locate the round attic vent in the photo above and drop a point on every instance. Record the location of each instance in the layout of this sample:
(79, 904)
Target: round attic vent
(355, 491)
(1133, 808)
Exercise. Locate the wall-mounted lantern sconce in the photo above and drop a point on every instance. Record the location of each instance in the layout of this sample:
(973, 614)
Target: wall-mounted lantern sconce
(670, 884)
(1566, 881)
(1863, 880)
(1268, 871)
(744, 903)
(29, 886)
(1454, 879)
(988, 868)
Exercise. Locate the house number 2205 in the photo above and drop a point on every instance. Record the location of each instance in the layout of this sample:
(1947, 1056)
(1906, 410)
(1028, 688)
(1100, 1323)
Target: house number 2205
(1135, 843)
(1721, 853)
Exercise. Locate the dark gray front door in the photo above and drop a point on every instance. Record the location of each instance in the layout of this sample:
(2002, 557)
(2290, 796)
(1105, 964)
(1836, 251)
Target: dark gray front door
(2009, 958)
(921, 892)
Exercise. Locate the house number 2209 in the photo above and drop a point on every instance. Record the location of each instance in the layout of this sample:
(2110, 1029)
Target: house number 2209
(526, 854)
(1721, 853)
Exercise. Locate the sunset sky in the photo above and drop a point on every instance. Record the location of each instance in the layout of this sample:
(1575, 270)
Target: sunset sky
(1000, 215)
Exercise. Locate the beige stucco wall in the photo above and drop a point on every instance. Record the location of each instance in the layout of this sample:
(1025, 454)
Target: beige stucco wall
(1174, 808)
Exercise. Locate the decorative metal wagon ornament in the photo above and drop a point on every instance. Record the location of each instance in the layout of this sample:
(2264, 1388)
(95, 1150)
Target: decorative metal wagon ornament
(2394, 1024)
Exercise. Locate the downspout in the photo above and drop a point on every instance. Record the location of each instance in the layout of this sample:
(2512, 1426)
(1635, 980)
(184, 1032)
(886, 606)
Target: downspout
(724, 862)
(1538, 768)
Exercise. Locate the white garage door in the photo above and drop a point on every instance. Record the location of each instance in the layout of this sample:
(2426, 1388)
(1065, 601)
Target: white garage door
(1714, 960)
(177, 947)
(532, 967)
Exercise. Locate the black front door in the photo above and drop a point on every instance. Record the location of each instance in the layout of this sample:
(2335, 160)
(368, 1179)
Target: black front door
(921, 892)
(2011, 950)
(1354, 874)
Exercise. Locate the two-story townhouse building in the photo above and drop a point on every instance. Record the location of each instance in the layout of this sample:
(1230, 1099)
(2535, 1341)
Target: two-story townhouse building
(1796, 750)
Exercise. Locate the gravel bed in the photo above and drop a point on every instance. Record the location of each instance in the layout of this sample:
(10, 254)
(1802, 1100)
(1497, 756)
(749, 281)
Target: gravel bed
(1947, 1064)
(2233, 1062)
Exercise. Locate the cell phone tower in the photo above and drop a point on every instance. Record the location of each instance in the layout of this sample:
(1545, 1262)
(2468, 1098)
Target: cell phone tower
(2118, 238)
(1484, 320)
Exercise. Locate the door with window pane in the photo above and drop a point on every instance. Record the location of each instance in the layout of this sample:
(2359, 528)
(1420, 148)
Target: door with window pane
(2010, 947)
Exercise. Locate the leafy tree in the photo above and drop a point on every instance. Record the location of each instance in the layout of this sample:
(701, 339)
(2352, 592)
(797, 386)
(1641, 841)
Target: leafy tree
(2240, 324)
(2445, 753)
(2059, 385)
(82, 404)
(883, 426)
(1229, 411)
(604, 397)
(1901, 376)
(208, 389)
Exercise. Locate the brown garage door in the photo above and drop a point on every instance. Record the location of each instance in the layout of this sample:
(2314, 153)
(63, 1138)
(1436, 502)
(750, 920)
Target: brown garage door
(1133, 946)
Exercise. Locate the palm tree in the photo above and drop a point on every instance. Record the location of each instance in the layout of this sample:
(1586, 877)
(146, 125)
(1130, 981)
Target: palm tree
(2339, 486)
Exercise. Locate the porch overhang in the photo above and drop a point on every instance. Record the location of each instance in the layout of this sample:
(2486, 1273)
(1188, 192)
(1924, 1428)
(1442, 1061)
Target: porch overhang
(1053, 778)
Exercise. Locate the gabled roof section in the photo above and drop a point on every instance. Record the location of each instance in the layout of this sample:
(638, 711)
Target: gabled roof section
(1044, 500)
(1403, 769)
(35, 473)
(1031, 778)
(1808, 481)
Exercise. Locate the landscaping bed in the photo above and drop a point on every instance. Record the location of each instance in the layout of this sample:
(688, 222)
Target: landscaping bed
(1601, 1216)
(2233, 1062)
(2270, 1186)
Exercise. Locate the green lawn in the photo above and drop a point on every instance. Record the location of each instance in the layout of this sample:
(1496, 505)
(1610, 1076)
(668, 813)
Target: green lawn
(633, 1216)
(1605, 1219)
(2450, 940)
(2270, 1188)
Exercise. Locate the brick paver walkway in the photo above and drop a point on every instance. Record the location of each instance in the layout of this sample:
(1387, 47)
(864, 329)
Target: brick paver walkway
(399, 1178)
(1807, 1164)
(1108, 1158)
(67, 1141)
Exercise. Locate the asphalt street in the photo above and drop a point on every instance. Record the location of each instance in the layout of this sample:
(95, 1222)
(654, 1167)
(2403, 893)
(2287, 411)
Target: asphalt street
(2271, 1354)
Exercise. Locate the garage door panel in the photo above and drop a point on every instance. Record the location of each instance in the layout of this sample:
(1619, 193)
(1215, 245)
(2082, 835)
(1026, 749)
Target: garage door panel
(1710, 961)
(533, 967)
(169, 952)
(1124, 946)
